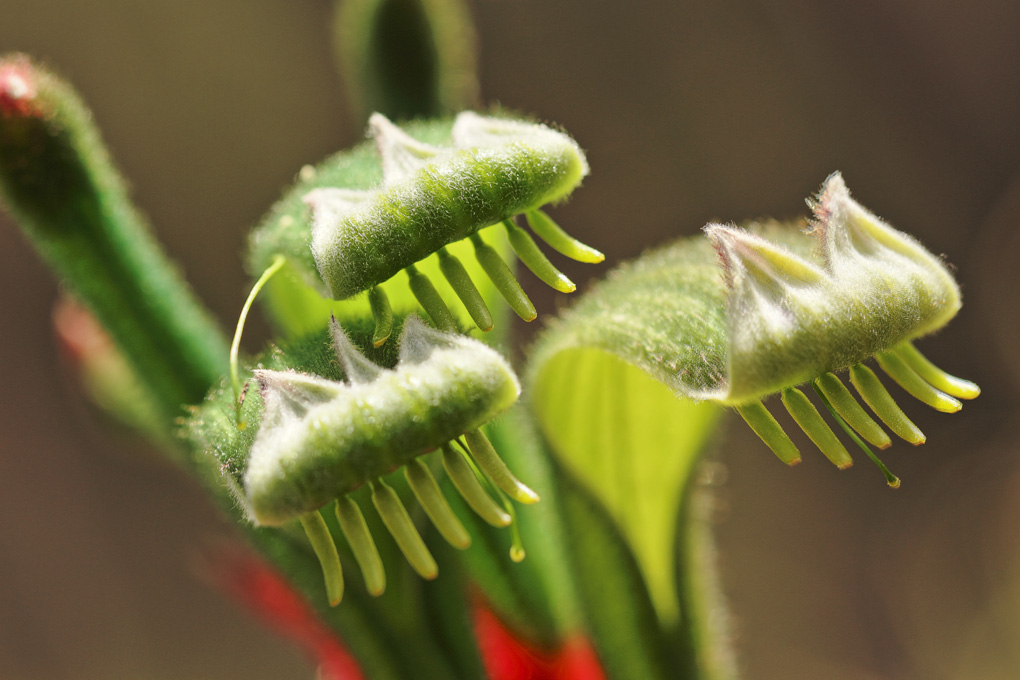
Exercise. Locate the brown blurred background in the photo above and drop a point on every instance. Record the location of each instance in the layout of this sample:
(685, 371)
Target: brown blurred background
(690, 112)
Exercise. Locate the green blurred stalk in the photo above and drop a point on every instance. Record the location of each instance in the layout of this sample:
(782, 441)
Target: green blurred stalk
(58, 182)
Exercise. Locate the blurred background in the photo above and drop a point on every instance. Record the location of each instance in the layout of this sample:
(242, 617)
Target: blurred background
(690, 112)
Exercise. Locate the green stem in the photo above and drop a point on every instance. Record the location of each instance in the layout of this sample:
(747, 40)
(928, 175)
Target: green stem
(57, 180)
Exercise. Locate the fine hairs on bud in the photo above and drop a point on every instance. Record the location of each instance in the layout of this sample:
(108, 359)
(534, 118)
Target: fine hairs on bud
(485, 173)
(320, 439)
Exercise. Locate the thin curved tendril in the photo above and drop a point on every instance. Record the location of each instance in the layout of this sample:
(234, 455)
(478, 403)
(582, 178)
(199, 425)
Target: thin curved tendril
(890, 479)
(275, 266)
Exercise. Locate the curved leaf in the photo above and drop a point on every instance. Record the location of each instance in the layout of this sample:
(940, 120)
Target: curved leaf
(604, 383)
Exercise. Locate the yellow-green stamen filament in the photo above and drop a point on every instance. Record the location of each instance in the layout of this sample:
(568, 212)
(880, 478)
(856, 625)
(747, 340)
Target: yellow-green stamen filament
(890, 479)
(352, 523)
(464, 479)
(906, 378)
(428, 297)
(489, 461)
(465, 288)
(882, 403)
(503, 279)
(322, 543)
(950, 384)
(807, 416)
(398, 522)
(235, 346)
(559, 240)
(850, 410)
(517, 552)
(534, 259)
(382, 313)
(425, 489)
(771, 432)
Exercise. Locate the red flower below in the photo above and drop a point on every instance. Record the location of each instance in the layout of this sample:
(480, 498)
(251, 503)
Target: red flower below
(508, 658)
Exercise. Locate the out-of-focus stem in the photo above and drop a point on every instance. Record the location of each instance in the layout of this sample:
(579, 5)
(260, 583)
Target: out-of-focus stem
(57, 179)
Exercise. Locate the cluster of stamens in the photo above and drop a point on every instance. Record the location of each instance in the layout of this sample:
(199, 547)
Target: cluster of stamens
(910, 369)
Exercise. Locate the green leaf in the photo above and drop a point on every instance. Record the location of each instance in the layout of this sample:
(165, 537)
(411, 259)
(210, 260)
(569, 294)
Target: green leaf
(602, 382)
(632, 443)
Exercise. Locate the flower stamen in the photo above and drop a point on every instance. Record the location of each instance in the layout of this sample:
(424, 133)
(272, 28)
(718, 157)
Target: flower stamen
(527, 251)
(885, 407)
(771, 432)
(503, 279)
(398, 523)
(807, 416)
(850, 410)
(325, 549)
(950, 384)
(458, 278)
(382, 314)
(359, 538)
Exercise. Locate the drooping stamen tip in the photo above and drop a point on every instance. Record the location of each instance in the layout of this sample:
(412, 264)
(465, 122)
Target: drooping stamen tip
(526, 496)
(517, 553)
(893, 482)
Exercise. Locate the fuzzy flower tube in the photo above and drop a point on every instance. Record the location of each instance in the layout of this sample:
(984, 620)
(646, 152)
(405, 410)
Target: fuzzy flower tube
(438, 186)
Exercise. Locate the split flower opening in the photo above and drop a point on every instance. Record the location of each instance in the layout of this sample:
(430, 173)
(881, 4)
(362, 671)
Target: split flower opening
(321, 439)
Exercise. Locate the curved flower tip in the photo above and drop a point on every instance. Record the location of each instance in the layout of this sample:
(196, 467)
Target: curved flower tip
(484, 171)
(320, 439)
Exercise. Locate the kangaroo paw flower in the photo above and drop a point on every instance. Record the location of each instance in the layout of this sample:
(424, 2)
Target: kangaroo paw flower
(346, 235)
(318, 439)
